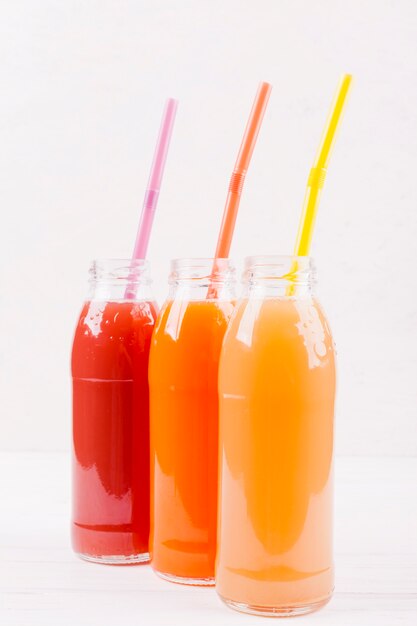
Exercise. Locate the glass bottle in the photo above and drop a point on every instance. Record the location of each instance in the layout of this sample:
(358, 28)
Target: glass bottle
(183, 370)
(276, 411)
(110, 522)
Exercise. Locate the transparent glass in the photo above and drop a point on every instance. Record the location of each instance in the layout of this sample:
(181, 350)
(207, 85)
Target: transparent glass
(183, 370)
(276, 412)
(110, 521)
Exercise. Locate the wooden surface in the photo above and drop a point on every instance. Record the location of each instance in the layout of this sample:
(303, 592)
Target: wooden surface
(42, 583)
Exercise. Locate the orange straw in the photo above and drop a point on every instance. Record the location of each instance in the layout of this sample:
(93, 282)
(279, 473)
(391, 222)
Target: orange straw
(240, 169)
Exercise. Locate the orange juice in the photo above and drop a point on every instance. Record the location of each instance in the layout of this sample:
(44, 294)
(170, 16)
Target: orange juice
(276, 390)
(183, 375)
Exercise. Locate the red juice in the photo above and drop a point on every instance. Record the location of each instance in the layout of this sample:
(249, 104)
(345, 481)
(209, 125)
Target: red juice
(111, 431)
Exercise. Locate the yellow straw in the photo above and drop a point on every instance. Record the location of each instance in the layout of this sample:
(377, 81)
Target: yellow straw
(318, 173)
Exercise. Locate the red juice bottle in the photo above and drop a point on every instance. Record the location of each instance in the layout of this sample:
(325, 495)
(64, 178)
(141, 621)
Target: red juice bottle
(110, 522)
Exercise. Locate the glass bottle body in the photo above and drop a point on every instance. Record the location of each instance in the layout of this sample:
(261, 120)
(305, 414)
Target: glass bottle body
(111, 415)
(183, 374)
(276, 399)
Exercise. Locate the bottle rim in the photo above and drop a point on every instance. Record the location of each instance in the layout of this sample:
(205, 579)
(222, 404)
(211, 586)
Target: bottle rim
(299, 270)
(200, 261)
(120, 270)
(277, 259)
(202, 269)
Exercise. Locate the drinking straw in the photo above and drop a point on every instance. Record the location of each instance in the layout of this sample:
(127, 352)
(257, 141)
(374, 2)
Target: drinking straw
(238, 177)
(319, 170)
(317, 175)
(154, 184)
(155, 179)
(239, 172)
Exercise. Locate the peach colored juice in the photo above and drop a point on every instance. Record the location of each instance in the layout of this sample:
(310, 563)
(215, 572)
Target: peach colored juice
(276, 390)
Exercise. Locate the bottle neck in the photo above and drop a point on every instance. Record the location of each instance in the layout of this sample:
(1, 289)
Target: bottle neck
(202, 279)
(279, 276)
(120, 279)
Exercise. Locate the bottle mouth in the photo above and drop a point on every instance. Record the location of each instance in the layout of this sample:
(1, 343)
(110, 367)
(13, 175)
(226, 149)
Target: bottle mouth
(298, 270)
(201, 269)
(118, 271)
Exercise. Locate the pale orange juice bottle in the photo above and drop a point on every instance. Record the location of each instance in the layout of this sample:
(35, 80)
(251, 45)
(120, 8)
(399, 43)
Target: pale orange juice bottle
(276, 394)
(183, 374)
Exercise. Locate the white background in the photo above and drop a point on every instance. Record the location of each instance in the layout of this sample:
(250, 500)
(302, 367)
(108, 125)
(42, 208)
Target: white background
(83, 84)
(82, 87)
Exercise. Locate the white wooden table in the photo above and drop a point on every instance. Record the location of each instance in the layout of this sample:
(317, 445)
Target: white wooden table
(42, 583)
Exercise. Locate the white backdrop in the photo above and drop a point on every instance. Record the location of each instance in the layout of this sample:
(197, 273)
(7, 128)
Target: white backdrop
(83, 85)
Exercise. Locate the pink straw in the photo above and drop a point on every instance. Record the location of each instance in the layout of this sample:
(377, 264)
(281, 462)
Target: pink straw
(152, 191)
(155, 180)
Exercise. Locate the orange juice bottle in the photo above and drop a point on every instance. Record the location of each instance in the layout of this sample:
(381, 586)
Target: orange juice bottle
(276, 394)
(183, 374)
